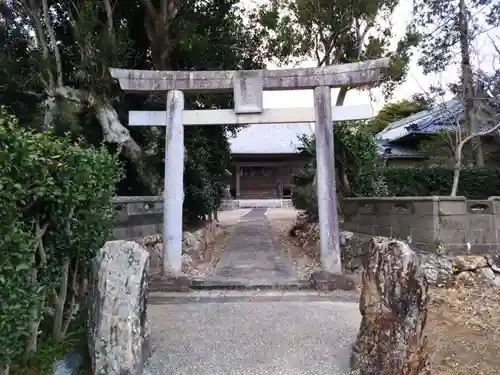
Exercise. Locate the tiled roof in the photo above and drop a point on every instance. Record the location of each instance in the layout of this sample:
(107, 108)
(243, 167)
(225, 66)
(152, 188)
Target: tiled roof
(391, 151)
(269, 138)
(439, 118)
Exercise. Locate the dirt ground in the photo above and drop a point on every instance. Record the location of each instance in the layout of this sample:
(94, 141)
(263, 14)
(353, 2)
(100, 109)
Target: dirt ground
(464, 331)
(463, 323)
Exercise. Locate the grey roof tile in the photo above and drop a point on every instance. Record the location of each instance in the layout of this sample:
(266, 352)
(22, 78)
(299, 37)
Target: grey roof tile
(439, 118)
(388, 150)
(432, 121)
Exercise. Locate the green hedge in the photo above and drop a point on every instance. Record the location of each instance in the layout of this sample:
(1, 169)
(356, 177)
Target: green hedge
(55, 196)
(424, 181)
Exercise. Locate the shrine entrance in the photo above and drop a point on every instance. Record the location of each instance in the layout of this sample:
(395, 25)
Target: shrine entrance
(248, 87)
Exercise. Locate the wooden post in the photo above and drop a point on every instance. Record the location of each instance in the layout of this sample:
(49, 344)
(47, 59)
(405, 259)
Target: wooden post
(326, 191)
(174, 187)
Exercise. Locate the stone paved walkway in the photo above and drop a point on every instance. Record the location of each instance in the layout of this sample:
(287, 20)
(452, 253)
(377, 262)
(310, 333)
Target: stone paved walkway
(252, 257)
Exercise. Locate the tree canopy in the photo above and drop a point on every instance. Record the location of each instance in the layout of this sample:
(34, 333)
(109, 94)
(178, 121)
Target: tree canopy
(54, 74)
(335, 32)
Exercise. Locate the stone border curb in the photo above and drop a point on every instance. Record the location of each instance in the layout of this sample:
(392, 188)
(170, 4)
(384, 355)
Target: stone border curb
(326, 281)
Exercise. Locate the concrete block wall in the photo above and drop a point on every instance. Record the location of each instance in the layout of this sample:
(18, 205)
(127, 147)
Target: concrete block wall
(137, 217)
(452, 224)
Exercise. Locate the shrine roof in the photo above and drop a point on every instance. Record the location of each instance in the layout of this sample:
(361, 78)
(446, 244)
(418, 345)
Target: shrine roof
(269, 138)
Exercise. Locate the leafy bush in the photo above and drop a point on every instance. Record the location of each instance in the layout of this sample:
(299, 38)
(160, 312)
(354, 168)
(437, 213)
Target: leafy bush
(358, 167)
(357, 157)
(476, 183)
(304, 198)
(207, 158)
(303, 177)
(55, 196)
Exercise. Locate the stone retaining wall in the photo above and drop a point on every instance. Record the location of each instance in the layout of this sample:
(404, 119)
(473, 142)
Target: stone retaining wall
(195, 247)
(141, 219)
(452, 225)
(440, 269)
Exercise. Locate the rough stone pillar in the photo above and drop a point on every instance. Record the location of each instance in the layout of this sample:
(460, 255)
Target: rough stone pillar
(392, 338)
(118, 335)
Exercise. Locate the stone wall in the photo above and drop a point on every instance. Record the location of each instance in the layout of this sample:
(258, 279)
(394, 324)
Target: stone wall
(451, 225)
(141, 219)
(440, 269)
(195, 247)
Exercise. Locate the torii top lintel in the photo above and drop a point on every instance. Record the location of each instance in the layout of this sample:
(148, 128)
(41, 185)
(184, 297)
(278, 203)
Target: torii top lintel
(352, 75)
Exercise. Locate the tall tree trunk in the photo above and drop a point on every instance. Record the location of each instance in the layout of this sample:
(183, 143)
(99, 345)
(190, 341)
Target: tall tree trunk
(468, 85)
(456, 179)
(113, 130)
(341, 96)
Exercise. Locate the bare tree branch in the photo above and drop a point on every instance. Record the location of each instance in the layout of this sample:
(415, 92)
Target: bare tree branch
(109, 18)
(53, 41)
(42, 42)
(149, 8)
(480, 134)
(458, 156)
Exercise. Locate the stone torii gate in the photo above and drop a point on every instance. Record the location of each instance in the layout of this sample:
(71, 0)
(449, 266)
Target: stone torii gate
(248, 86)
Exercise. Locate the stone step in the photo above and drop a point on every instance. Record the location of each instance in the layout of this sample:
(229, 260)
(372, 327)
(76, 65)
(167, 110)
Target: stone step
(169, 284)
(232, 296)
(322, 281)
(248, 284)
(176, 284)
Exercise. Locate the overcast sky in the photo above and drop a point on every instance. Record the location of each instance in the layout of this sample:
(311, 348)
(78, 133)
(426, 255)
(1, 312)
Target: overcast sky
(416, 81)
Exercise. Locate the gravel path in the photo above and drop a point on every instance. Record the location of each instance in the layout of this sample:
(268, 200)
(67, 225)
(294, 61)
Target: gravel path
(252, 334)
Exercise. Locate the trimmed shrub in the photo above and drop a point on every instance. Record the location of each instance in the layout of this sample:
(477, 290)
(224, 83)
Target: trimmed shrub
(55, 196)
(477, 183)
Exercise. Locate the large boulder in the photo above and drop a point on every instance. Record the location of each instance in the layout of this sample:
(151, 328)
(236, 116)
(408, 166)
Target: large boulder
(392, 339)
(118, 336)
